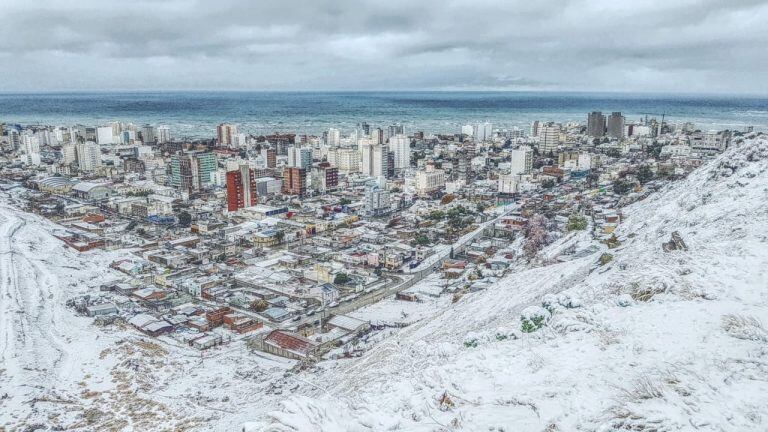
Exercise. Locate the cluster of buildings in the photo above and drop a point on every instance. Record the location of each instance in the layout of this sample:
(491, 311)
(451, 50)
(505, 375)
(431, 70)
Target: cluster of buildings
(275, 239)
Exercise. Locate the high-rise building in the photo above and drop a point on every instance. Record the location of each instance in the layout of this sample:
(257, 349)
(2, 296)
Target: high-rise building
(334, 137)
(225, 134)
(104, 135)
(325, 178)
(192, 171)
(401, 147)
(549, 137)
(374, 160)
(31, 144)
(395, 129)
(483, 132)
(300, 157)
(468, 130)
(241, 188)
(535, 128)
(376, 200)
(270, 156)
(346, 159)
(294, 181)
(185, 174)
(148, 134)
(69, 154)
(378, 136)
(163, 134)
(88, 156)
(365, 128)
(14, 139)
(521, 161)
(207, 164)
(596, 124)
(429, 180)
(615, 125)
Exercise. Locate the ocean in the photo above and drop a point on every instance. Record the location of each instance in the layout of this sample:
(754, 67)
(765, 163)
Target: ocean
(196, 113)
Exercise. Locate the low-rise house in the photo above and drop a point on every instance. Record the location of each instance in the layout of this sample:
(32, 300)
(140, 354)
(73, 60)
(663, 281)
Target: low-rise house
(150, 293)
(348, 324)
(150, 325)
(101, 309)
(287, 344)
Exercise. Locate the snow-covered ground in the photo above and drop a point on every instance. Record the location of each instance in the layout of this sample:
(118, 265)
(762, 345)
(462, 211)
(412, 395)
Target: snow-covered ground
(60, 372)
(648, 341)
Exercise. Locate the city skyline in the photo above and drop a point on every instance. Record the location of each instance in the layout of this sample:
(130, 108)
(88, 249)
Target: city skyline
(681, 47)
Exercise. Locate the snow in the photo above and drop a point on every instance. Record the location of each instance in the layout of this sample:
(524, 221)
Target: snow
(649, 341)
(60, 372)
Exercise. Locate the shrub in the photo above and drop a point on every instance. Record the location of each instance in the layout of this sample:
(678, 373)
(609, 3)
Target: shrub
(533, 318)
(605, 258)
(576, 223)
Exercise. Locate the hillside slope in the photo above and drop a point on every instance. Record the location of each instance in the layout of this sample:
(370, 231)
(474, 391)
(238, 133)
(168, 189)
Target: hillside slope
(651, 341)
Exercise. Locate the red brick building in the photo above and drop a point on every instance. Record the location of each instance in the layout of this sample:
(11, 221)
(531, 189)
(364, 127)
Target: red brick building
(241, 188)
(294, 181)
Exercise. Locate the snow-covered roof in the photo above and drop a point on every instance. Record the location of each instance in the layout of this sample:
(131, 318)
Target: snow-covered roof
(346, 322)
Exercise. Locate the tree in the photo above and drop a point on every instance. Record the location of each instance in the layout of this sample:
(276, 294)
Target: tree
(576, 222)
(644, 174)
(258, 305)
(481, 206)
(184, 218)
(548, 184)
(436, 215)
(592, 179)
(280, 236)
(345, 201)
(622, 187)
(421, 240)
(341, 278)
(536, 235)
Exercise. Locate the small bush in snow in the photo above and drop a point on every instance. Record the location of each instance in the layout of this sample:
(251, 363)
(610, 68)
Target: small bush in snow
(576, 222)
(471, 340)
(549, 302)
(533, 318)
(570, 301)
(625, 300)
(605, 259)
(504, 334)
(744, 327)
(644, 388)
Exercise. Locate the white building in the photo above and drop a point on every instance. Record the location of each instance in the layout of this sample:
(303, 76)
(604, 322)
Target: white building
(508, 184)
(549, 138)
(401, 147)
(346, 159)
(300, 157)
(334, 137)
(374, 159)
(521, 161)
(376, 200)
(483, 132)
(163, 134)
(104, 135)
(429, 180)
(31, 144)
(69, 153)
(88, 156)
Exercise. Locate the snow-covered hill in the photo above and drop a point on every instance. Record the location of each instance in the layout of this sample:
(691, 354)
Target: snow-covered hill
(649, 341)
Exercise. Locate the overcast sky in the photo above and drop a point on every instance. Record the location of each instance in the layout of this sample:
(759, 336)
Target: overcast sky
(589, 45)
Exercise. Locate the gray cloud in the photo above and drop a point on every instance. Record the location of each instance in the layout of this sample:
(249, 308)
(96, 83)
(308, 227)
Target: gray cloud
(611, 45)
